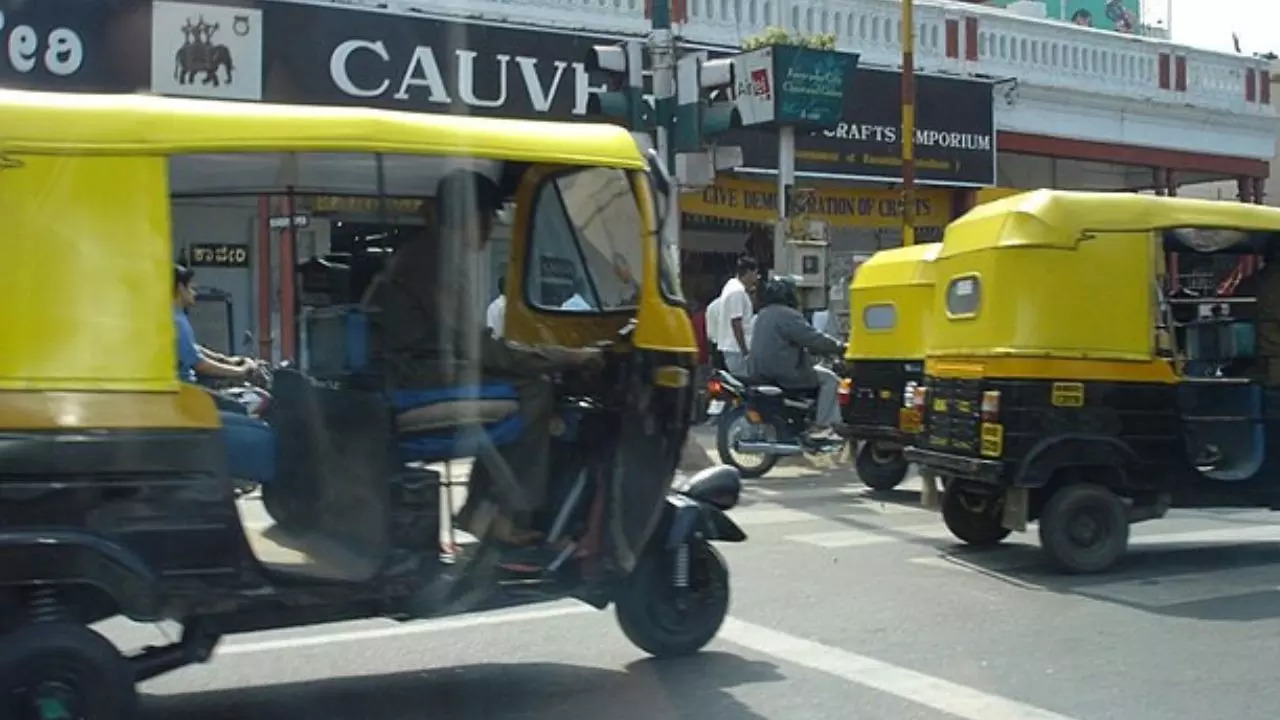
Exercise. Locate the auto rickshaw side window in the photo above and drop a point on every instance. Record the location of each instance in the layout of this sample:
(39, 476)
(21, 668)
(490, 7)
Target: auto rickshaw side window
(880, 317)
(587, 243)
(964, 296)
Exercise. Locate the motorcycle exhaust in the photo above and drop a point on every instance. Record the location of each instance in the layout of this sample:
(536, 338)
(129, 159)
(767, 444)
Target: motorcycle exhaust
(768, 448)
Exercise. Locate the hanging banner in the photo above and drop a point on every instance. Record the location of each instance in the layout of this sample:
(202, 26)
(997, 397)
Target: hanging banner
(755, 201)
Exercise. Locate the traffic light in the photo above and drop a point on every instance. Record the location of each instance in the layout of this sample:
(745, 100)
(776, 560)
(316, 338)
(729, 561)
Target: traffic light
(622, 102)
(705, 104)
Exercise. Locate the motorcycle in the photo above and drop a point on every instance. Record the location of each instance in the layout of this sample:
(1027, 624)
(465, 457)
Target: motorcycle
(761, 423)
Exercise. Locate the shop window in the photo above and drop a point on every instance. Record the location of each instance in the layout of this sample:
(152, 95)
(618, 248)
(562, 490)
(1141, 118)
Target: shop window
(964, 296)
(880, 317)
(583, 254)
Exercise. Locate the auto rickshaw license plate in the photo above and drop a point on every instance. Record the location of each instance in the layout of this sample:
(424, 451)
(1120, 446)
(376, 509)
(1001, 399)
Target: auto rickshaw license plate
(992, 437)
(1068, 394)
(909, 420)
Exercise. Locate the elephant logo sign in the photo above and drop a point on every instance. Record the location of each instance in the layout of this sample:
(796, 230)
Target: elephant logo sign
(209, 51)
(199, 54)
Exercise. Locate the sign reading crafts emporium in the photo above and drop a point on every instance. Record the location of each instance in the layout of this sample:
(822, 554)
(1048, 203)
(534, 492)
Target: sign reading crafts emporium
(955, 132)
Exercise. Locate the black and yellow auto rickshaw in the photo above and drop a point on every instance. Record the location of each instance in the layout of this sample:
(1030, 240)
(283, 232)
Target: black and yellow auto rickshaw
(114, 495)
(890, 298)
(1068, 381)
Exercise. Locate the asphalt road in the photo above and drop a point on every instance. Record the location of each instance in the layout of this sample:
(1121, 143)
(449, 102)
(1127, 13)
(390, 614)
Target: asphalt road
(845, 606)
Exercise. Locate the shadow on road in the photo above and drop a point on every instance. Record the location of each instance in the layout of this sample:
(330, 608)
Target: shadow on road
(684, 688)
(1161, 579)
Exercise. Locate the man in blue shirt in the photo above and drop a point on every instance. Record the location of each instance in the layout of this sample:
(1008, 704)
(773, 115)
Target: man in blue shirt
(249, 441)
(193, 360)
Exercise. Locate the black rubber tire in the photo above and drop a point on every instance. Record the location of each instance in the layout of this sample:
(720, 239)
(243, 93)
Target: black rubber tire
(727, 418)
(644, 610)
(979, 528)
(878, 474)
(74, 665)
(288, 513)
(1084, 502)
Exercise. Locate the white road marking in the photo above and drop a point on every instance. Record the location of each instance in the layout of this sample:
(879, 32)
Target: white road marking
(416, 628)
(770, 514)
(879, 536)
(933, 692)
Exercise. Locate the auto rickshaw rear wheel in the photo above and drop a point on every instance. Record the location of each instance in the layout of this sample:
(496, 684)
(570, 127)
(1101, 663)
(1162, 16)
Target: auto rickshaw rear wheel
(879, 467)
(973, 517)
(1084, 528)
(63, 671)
(664, 621)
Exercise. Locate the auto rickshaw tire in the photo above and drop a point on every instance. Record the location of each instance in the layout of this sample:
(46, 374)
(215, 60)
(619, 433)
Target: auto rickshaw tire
(878, 473)
(645, 608)
(726, 420)
(70, 667)
(979, 528)
(288, 513)
(1105, 511)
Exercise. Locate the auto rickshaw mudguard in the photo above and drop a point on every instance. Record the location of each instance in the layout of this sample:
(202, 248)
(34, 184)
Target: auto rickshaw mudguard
(688, 518)
(69, 557)
(1045, 458)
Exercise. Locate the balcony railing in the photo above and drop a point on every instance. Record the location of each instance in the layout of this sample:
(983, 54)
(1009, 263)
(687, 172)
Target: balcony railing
(950, 37)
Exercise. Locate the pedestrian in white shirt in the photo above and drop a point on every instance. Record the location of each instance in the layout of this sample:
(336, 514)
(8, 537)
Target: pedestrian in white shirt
(496, 314)
(735, 314)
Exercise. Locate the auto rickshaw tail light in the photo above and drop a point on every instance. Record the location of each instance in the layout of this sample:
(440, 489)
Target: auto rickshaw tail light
(990, 405)
(920, 396)
(909, 394)
(845, 392)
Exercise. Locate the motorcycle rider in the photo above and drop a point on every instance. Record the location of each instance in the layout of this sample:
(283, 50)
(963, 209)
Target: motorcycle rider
(780, 345)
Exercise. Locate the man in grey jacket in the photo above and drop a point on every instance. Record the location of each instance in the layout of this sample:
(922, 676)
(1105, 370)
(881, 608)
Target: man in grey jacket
(780, 347)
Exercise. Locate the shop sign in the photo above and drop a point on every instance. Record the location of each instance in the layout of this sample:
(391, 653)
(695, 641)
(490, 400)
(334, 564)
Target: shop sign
(955, 133)
(208, 51)
(60, 45)
(223, 255)
(367, 205)
(353, 57)
(755, 201)
(282, 222)
(791, 85)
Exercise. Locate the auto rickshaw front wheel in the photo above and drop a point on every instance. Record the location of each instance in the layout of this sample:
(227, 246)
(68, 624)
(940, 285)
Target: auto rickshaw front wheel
(667, 621)
(56, 670)
(880, 467)
(1084, 528)
(974, 518)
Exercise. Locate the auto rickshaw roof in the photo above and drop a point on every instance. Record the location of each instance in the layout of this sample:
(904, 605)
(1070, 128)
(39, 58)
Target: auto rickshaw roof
(1061, 218)
(87, 124)
(897, 266)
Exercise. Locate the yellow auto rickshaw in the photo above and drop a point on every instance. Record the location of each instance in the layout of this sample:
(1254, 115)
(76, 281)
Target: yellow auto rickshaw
(890, 299)
(117, 500)
(1074, 377)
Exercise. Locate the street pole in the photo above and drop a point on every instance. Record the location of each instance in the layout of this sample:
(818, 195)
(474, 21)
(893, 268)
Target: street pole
(662, 59)
(908, 125)
(786, 182)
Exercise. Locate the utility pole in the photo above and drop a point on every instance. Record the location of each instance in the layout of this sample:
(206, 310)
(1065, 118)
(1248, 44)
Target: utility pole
(908, 124)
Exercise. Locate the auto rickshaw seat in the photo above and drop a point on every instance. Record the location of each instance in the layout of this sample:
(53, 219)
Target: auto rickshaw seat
(439, 424)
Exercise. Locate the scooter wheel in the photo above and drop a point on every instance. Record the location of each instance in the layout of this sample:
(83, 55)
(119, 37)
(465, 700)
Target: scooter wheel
(658, 619)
